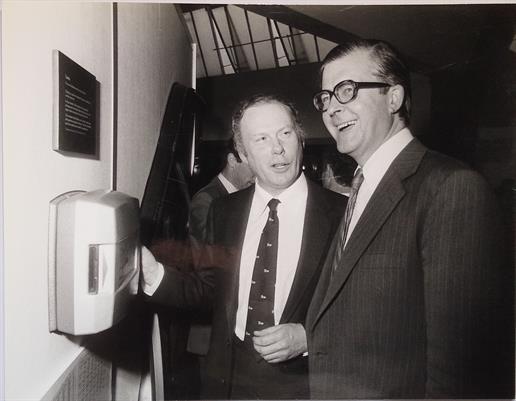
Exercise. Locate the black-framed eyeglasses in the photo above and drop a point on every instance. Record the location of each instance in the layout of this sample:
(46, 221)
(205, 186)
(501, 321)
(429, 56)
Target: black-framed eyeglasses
(344, 92)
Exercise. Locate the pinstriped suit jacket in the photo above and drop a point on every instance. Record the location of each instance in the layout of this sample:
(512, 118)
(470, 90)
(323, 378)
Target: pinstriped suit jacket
(422, 303)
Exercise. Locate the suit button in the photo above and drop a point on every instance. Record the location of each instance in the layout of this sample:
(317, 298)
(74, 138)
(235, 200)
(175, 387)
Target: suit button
(223, 381)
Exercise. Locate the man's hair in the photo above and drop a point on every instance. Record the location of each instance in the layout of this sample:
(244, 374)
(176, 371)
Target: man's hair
(258, 99)
(390, 67)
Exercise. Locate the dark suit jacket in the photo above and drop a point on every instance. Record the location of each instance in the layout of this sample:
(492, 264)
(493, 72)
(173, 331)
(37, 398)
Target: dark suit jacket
(421, 304)
(200, 329)
(216, 283)
(199, 207)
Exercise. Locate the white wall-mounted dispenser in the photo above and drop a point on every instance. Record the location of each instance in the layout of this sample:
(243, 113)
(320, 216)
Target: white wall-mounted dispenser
(94, 257)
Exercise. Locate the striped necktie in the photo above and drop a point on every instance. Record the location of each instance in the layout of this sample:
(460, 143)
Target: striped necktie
(344, 225)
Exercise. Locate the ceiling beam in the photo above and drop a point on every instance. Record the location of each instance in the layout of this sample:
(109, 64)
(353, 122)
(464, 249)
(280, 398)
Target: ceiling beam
(189, 7)
(300, 21)
(320, 29)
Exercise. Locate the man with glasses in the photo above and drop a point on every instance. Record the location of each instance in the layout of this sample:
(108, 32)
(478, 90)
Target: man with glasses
(415, 299)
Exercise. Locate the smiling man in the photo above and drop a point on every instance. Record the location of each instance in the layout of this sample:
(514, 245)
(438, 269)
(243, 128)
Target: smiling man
(266, 247)
(415, 299)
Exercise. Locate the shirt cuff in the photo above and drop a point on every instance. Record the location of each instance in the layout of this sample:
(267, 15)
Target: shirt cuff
(151, 289)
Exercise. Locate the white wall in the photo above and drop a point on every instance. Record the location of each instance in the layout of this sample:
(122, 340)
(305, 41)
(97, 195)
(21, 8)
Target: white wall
(34, 173)
(153, 52)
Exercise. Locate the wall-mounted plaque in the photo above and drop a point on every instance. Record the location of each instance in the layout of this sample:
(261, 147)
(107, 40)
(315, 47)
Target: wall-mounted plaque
(75, 108)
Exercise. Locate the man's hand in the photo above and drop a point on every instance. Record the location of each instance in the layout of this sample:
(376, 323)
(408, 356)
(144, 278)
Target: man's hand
(280, 343)
(150, 268)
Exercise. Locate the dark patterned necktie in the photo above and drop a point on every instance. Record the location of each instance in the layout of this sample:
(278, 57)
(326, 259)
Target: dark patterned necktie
(344, 225)
(260, 310)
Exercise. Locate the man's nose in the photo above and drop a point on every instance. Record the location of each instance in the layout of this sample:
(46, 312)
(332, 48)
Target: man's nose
(334, 107)
(277, 146)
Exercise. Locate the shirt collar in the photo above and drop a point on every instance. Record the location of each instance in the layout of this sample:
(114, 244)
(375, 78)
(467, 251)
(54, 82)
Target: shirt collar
(295, 192)
(376, 166)
(227, 184)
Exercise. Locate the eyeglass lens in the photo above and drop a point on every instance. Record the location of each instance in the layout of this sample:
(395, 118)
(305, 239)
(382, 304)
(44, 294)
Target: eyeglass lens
(344, 92)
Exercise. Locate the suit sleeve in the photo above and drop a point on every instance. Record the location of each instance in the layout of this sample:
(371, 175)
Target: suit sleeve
(185, 290)
(189, 288)
(468, 286)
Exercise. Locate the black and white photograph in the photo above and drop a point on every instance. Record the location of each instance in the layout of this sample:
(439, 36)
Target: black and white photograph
(257, 201)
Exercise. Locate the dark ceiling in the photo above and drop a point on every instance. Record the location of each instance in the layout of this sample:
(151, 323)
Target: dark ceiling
(432, 37)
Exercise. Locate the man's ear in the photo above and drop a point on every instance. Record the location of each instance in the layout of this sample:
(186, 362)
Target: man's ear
(231, 160)
(396, 94)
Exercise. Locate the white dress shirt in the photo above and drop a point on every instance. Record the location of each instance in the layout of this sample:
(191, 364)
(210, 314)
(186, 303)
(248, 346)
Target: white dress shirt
(291, 216)
(374, 169)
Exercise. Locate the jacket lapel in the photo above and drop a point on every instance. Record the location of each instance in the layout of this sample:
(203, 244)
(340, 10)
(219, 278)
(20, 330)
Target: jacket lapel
(386, 197)
(238, 214)
(316, 233)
